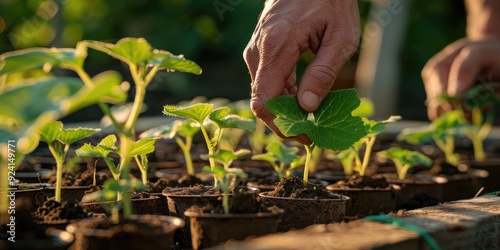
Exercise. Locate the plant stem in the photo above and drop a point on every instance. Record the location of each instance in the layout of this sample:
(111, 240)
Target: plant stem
(225, 200)
(59, 169)
(210, 149)
(309, 149)
(366, 157)
(143, 169)
(186, 150)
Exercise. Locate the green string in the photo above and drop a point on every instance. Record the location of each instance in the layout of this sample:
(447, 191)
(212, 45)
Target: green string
(398, 223)
(497, 193)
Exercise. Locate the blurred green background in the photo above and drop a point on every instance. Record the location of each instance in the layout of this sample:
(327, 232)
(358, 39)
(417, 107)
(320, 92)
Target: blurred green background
(212, 37)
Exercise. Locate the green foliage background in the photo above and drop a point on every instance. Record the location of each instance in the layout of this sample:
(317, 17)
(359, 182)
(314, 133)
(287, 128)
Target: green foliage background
(195, 29)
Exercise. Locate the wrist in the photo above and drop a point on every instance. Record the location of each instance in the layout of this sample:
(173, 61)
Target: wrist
(483, 17)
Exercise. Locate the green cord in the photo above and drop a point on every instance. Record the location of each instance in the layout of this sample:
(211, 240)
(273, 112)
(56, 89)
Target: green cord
(398, 223)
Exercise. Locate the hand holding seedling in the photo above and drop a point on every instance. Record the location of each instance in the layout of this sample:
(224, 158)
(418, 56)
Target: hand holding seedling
(461, 64)
(288, 28)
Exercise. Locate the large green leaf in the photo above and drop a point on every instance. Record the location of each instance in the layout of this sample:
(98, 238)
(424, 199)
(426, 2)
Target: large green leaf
(333, 126)
(41, 57)
(102, 150)
(405, 157)
(198, 112)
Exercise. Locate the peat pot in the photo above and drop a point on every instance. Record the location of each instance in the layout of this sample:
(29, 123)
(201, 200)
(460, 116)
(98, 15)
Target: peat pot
(365, 202)
(300, 212)
(140, 232)
(209, 229)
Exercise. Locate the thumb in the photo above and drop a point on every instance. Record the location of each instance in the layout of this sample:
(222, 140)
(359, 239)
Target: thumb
(319, 76)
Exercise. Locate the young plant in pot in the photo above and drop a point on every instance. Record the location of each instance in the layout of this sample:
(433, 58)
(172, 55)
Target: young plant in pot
(180, 199)
(331, 126)
(143, 62)
(55, 98)
(283, 159)
(239, 218)
(478, 105)
(370, 193)
(447, 174)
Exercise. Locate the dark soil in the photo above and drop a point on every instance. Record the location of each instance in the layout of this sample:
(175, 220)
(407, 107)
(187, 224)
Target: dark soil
(193, 190)
(85, 178)
(293, 187)
(52, 210)
(183, 181)
(364, 182)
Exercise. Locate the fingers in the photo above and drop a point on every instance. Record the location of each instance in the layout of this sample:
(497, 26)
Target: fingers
(435, 75)
(319, 76)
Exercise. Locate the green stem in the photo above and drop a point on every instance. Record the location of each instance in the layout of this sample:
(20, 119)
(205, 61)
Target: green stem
(143, 169)
(401, 169)
(210, 149)
(103, 106)
(186, 150)
(225, 200)
(59, 170)
(347, 163)
(368, 151)
(309, 149)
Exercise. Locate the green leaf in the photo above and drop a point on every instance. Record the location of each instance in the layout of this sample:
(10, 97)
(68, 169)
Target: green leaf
(405, 157)
(51, 131)
(264, 157)
(40, 57)
(219, 113)
(198, 112)
(187, 128)
(168, 61)
(72, 135)
(282, 153)
(365, 108)
(143, 147)
(107, 89)
(165, 131)
(333, 126)
(102, 150)
(133, 51)
(235, 121)
(226, 156)
(376, 128)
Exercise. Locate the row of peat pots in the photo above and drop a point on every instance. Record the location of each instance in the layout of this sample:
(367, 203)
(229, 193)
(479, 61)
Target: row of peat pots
(182, 217)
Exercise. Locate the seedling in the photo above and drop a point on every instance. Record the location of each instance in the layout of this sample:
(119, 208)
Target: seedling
(183, 132)
(227, 177)
(477, 100)
(283, 159)
(331, 126)
(404, 159)
(143, 62)
(59, 141)
(220, 117)
(441, 131)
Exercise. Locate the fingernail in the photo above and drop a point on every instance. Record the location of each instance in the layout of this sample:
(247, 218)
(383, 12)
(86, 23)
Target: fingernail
(310, 101)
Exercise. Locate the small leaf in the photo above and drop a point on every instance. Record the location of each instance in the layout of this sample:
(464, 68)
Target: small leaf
(265, 157)
(333, 127)
(365, 108)
(133, 51)
(235, 121)
(198, 112)
(405, 157)
(282, 153)
(143, 147)
(226, 156)
(379, 127)
(219, 113)
(72, 135)
(168, 61)
(50, 132)
(102, 150)
(108, 142)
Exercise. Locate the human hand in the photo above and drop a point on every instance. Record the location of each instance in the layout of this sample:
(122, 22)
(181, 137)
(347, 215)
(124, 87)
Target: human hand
(456, 69)
(288, 28)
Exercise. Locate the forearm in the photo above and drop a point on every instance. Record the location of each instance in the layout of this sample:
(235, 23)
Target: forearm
(483, 18)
